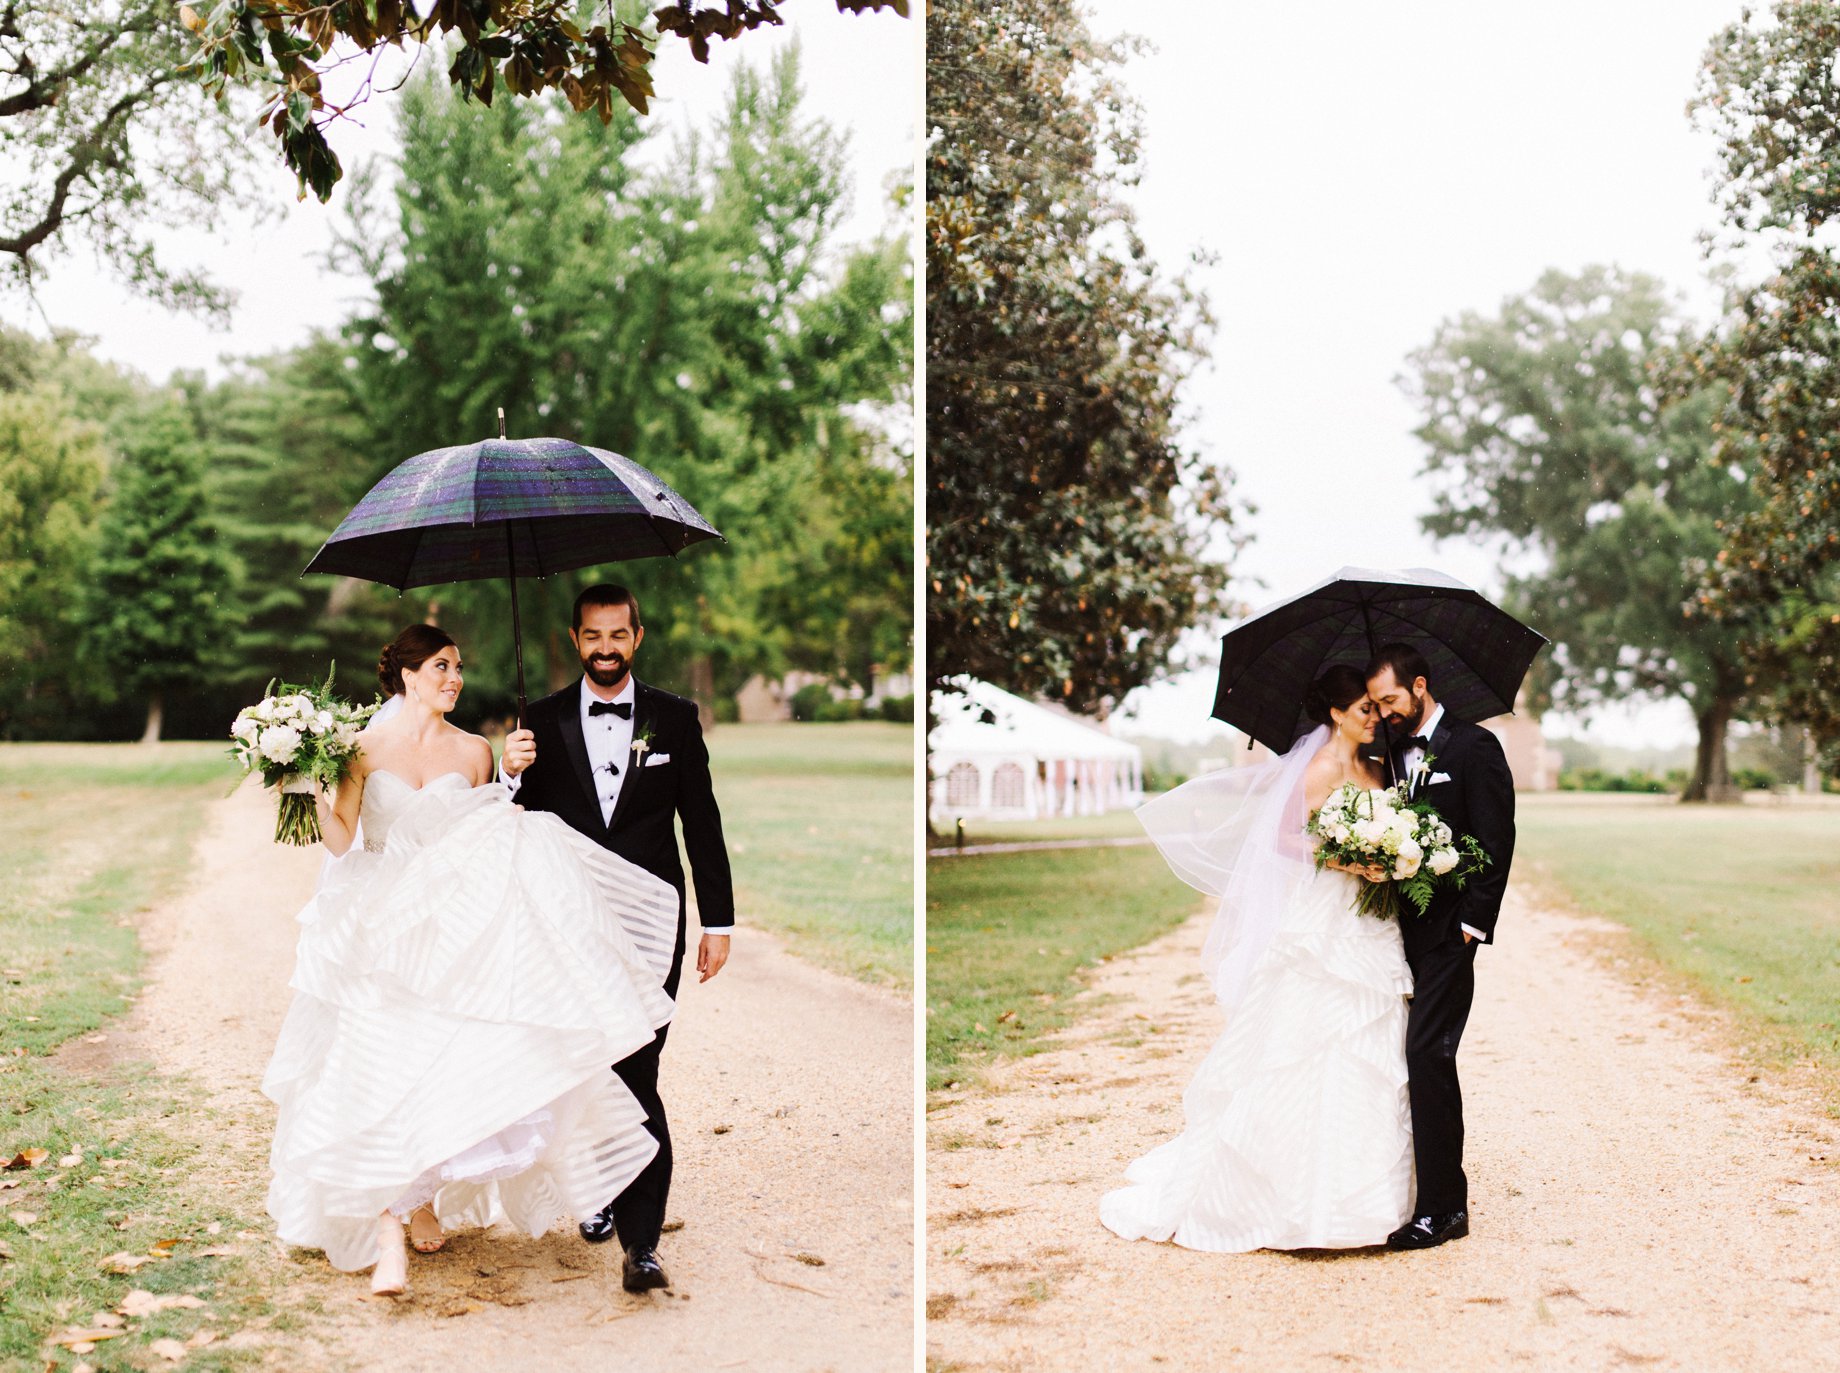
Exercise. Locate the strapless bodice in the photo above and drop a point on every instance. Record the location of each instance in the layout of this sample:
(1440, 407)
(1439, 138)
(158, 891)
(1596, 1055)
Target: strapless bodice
(382, 806)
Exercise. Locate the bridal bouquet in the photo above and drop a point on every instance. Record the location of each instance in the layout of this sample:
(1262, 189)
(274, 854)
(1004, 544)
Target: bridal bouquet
(1407, 838)
(300, 738)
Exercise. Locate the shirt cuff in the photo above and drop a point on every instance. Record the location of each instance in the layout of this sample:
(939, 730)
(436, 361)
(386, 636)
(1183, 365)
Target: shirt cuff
(1471, 929)
(511, 783)
(719, 929)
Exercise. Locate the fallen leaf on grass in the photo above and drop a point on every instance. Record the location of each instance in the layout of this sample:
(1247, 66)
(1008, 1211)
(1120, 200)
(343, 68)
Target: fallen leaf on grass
(8, 1182)
(94, 1039)
(72, 1338)
(170, 1350)
(200, 1339)
(216, 1251)
(23, 1218)
(27, 1158)
(108, 1320)
(1006, 1017)
(70, 1160)
(124, 1262)
(144, 1303)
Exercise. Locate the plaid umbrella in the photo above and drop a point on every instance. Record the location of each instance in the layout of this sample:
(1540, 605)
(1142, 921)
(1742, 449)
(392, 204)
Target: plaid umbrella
(1477, 652)
(508, 508)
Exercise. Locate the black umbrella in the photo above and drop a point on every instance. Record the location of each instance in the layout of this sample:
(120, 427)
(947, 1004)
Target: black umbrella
(1477, 652)
(504, 508)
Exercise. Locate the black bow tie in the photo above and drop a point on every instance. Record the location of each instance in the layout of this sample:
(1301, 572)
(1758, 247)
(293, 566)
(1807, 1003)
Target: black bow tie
(1416, 741)
(623, 709)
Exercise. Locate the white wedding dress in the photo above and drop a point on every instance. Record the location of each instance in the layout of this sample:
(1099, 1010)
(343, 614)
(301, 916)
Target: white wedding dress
(1298, 1128)
(463, 984)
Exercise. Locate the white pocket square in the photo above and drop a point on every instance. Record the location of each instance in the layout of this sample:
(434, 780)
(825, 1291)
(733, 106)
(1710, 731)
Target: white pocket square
(652, 760)
(1437, 777)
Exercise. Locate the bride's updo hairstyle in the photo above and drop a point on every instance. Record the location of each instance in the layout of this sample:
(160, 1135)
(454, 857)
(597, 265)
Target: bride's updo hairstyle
(408, 651)
(1338, 688)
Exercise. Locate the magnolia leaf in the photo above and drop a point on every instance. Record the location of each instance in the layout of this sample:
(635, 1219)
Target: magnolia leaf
(28, 1158)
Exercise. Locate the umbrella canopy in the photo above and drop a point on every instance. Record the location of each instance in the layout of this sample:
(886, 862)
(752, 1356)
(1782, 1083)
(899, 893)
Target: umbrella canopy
(1477, 652)
(504, 508)
(508, 508)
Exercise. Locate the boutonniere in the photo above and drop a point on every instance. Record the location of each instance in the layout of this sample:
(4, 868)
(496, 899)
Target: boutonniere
(642, 741)
(1423, 770)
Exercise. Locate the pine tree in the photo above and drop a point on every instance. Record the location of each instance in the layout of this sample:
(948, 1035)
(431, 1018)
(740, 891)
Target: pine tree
(159, 615)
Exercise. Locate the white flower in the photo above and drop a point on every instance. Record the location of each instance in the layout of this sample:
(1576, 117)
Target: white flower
(321, 722)
(279, 743)
(1405, 867)
(1368, 831)
(345, 733)
(1443, 860)
(246, 728)
(264, 709)
(641, 747)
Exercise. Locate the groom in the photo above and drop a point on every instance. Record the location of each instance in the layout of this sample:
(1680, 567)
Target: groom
(1459, 769)
(617, 760)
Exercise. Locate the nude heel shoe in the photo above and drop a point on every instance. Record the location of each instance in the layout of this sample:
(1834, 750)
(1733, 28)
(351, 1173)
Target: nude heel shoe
(425, 1231)
(390, 1275)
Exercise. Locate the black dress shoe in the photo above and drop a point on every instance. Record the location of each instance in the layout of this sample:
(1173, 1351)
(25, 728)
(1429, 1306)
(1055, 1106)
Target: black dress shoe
(1427, 1232)
(598, 1228)
(643, 1272)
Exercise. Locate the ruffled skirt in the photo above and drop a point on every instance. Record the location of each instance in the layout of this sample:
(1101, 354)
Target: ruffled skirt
(1298, 1128)
(459, 999)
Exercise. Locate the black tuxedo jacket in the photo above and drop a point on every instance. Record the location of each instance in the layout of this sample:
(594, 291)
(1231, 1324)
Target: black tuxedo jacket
(675, 786)
(1475, 795)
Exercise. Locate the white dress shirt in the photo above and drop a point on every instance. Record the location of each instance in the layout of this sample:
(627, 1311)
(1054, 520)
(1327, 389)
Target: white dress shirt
(1413, 759)
(609, 740)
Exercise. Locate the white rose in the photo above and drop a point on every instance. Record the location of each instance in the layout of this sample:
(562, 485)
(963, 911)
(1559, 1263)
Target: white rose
(1405, 867)
(279, 743)
(245, 729)
(1368, 831)
(1443, 860)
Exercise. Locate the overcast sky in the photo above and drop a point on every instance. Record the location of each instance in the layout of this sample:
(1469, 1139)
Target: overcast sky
(1362, 172)
(861, 72)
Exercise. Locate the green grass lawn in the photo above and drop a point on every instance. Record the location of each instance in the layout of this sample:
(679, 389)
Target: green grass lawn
(92, 834)
(1117, 824)
(1008, 937)
(820, 826)
(1743, 902)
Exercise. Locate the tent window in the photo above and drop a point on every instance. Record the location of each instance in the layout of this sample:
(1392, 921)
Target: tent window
(962, 785)
(1007, 788)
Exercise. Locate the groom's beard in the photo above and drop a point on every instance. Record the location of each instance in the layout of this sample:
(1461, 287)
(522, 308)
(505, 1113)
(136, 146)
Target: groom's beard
(1405, 726)
(607, 670)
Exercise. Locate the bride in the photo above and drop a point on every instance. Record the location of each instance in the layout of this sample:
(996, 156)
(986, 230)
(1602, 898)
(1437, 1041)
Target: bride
(1298, 1126)
(465, 975)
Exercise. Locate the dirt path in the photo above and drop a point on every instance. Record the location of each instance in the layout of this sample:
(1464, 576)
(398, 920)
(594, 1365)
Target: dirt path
(789, 1092)
(1639, 1198)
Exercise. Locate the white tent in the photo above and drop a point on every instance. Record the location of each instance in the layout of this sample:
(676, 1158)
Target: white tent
(999, 757)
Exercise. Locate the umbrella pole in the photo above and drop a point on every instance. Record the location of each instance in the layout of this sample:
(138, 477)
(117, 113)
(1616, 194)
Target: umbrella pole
(1386, 735)
(517, 625)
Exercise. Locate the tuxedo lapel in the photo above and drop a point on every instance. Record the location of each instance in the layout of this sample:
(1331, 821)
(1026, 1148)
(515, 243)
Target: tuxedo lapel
(642, 714)
(577, 747)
